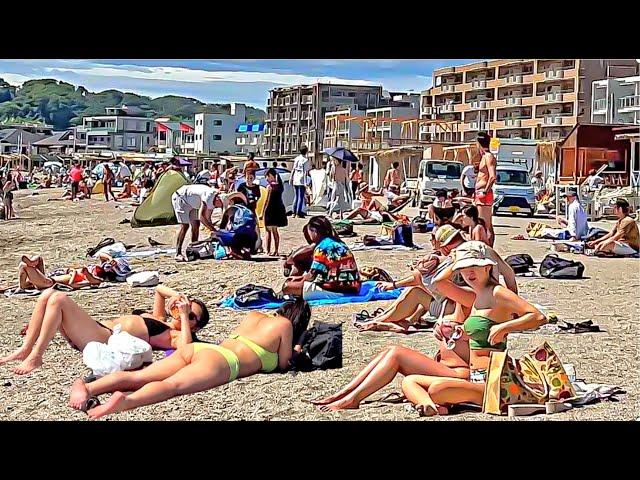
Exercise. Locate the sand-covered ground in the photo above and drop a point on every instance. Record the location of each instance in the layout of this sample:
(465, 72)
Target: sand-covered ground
(62, 231)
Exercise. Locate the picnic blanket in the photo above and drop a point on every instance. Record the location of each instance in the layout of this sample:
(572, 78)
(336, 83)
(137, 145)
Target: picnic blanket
(17, 292)
(368, 293)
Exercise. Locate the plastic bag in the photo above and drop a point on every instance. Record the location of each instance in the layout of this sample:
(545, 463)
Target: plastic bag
(115, 250)
(144, 279)
(121, 352)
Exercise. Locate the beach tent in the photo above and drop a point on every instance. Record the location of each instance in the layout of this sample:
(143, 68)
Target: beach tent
(319, 198)
(98, 188)
(260, 206)
(157, 208)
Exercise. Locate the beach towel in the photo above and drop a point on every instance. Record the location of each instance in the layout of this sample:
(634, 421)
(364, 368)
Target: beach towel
(150, 253)
(368, 293)
(592, 392)
(401, 248)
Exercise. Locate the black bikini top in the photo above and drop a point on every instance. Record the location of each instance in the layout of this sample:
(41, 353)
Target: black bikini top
(155, 327)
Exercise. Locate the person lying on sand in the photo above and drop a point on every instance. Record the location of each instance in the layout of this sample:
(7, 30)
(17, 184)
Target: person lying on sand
(496, 311)
(420, 296)
(261, 343)
(375, 213)
(31, 273)
(55, 311)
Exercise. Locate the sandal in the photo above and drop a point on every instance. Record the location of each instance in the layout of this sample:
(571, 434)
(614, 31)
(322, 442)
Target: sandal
(89, 403)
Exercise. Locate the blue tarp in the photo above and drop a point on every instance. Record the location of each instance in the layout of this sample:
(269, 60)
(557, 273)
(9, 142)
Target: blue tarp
(368, 293)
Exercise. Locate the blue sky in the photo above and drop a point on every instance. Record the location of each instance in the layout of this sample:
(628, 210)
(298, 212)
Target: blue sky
(223, 81)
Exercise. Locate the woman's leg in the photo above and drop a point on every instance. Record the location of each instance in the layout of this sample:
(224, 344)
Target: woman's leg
(276, 241)
(293, 286)
(62, 313)
(35, 324)
(452, 391)
(406, 305)
(269, 236)
(415, 387)
(34, 277)
(208, 370)
(396, 360)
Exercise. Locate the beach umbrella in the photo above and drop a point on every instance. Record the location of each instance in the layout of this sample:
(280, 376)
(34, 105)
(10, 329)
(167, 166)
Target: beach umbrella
(98, 169)
(52, 163)
(341, 153)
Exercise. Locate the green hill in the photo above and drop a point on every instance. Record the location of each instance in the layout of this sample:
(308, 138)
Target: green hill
(63, 105)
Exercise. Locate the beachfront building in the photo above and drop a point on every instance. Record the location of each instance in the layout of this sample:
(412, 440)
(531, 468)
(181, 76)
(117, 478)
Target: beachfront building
(616, 100)
(249, 138)
(527, 98)
(175, 138)
(397, 106)
(65, 142)
(216, 132)
(18, 140)
(124, 128)
(296, 115)
(342, 126)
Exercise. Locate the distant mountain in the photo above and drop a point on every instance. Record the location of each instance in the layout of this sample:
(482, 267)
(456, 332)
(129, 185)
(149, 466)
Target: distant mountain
(63, 105)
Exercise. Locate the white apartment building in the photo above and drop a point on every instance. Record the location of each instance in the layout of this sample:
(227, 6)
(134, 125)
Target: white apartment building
(249, 137)
(175, 138)
(216, 132)
(616, 100)
(123, 128)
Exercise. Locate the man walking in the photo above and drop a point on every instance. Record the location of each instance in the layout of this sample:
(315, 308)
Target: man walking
(300, 179)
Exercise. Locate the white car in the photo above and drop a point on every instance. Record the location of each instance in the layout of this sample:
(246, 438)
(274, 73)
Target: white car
(513, 191)
(289, 194)
(434, 175)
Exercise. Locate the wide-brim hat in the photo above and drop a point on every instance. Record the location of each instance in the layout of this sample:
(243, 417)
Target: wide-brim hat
(445, 234)
(471, 254)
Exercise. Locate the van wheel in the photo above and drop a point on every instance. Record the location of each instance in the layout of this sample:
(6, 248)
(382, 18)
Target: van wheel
(414, 201)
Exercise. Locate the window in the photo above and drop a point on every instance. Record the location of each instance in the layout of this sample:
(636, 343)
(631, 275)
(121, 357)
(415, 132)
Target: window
(443, 169)
(148, 127)
(217, 123)
(147, 140)
(131, 142)
(217, 137)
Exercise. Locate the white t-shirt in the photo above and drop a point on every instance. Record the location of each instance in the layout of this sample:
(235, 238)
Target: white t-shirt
(301, 168)
(469, 177)
(577, 220)
(196, 195)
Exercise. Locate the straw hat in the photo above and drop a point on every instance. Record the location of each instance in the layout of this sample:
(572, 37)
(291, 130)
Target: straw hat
(471, 254)
(445, 234)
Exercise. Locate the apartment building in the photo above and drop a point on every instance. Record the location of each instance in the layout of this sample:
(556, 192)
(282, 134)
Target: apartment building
(526, 98)
(216, 132)
(249, 137)
(175, 138)
(616, 100)
(124, 128)
(398, 106)
(342, 126)
(295, 115)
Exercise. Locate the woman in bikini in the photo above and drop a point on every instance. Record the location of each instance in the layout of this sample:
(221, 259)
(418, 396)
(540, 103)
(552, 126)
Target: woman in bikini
(55, 311)
(474, 226)
(261, 343)
(496, 311)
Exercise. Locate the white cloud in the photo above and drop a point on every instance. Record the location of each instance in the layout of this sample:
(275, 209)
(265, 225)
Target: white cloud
(15, 79)
(179, 74)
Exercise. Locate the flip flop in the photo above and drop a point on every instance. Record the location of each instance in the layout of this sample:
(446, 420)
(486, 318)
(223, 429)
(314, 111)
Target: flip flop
(89, 403)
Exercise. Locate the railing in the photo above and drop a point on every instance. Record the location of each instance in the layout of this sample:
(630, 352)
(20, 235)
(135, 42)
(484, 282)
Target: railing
(553, 74)
(448, 87)
(108, 127)
(447, 108)
(514, 100)
(629, 102)
(553, 97)
(479, 83)
(479, 104)
(512, 122)
(552, 120)
(477, 125)
(514, 78)
(427, 110)
(600, 104)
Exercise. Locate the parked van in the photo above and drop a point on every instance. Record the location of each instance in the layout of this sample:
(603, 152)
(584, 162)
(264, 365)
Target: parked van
(434, 175)
(513, 191)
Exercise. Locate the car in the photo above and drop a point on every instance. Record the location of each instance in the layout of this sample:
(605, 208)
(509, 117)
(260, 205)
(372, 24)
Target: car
(434, 175)
(513, 191)
(289, 194)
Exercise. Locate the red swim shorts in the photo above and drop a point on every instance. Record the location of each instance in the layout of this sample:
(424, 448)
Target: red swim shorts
(483, 198)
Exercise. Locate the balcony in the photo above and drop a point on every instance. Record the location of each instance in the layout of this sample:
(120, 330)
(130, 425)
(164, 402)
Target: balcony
(426, 110)
(553, 97)
(478, 104)
(553, 74)
(552, 120)
(631, 102)
(306, 99)
(514, 100)
(479, 83)
(101, 128)
(600, 104)
(448, 88)
(512, 122)
(447, 108)
(478, 125)
(514, 79)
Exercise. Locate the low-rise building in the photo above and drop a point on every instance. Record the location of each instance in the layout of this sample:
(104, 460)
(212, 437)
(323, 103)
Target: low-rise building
(175, 138)
(124, 128)
(397, 106)
(343, 126)
(66, 142)
(616, 100)
(216, 132)
(17, 140)
(249, 137)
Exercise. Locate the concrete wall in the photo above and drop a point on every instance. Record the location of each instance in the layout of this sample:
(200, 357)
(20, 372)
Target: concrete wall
(216, 132)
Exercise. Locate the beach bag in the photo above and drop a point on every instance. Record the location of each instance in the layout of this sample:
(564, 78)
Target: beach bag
(103, 243)
(343, 229)
(201, 250)
(403, 235)
(117, 249)
(255, 295)
(520, 262)
(144, 279)
(535, 379)
(375, 274)
(121, 352)
(321, 348)
(553, 266)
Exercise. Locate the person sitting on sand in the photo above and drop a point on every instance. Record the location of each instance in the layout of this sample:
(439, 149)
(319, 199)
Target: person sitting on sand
(127, 191)
(55, 311)
(624, 239)
(299, 261)
(371, 210)
(441, 200)
(31, 273)
(420, 296)
(261, 343)
(334, 272)
(474, 226)
(496, 311)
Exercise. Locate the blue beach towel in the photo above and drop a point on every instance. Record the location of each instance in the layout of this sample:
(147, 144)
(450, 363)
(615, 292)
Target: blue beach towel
(368, 293)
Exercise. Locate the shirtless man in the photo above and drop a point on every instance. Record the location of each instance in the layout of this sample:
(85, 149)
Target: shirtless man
(483, 196)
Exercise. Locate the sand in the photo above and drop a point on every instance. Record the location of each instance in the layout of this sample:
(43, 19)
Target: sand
(62, 231)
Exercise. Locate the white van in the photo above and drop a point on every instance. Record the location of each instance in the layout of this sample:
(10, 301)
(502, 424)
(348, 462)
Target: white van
(434, 175)
(513, 191)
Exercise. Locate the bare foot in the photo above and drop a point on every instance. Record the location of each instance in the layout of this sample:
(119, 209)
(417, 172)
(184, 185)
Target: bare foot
(429, 411)
(114, 405)
(180, 258)
(329, 399)
(28, 365)
(19, 354)
(342, 404)
(79, 394)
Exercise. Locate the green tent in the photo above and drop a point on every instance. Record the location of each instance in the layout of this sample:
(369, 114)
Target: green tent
(157, 209)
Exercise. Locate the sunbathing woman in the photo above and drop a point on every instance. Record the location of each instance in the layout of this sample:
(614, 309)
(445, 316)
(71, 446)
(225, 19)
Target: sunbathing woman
(55, 311)
(496, 311)
(261, 343)
(474, 226)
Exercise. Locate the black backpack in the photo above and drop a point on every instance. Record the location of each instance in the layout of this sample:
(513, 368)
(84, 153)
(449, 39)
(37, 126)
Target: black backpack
(520, 263)
(201, 250)
(553, 266)
(321, 348)
(251, 295)
(103, 243)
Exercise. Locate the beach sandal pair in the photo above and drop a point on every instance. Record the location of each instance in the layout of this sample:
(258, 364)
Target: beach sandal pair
(364, 316)
(581, 327)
